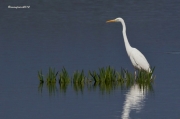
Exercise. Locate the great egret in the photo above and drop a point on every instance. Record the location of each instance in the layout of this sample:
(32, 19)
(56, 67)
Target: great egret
(137, 58)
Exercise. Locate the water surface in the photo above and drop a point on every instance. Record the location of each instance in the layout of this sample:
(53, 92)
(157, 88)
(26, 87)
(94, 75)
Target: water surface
(74, 34)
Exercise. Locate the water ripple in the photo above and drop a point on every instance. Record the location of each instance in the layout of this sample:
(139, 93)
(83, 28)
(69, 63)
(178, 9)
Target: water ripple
(173, 52)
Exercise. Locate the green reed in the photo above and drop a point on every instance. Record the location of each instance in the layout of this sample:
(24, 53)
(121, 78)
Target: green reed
(51, 76)
(107, 74)
(95, 76)
(128, 78)
(105, 78)
(63, 76)
(78, 77)
(120, 76)
(145, 77)
(40, 76)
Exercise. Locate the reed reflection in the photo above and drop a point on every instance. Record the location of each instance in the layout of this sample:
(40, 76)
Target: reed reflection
(107, 87)
(78, 87)
(40, 87)
(52, 88)
(103, 87)
(63, 87)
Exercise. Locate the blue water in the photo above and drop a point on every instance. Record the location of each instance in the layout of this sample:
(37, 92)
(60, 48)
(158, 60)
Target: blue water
(74, 34)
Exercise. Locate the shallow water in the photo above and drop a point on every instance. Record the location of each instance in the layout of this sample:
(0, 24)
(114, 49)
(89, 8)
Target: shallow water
(75, 35)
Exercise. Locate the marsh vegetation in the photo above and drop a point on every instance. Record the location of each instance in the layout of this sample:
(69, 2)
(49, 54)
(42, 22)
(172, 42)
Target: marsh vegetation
(105, 79)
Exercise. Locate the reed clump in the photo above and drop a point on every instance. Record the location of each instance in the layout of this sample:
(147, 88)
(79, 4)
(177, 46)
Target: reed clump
(145, 77)
(78, 77)
(107, 74)
(51, 76)
(40, 76)
(64, 76)
(104, 78)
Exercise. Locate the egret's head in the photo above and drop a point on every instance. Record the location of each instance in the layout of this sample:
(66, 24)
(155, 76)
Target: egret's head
(115, 20)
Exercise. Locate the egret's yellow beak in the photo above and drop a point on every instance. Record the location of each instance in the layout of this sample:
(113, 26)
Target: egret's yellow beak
(110, 21)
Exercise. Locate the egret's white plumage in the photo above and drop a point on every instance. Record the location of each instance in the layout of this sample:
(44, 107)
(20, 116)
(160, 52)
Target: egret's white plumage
(137, 58)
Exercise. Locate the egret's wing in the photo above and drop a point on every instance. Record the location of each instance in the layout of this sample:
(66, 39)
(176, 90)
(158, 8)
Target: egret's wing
(138, 59)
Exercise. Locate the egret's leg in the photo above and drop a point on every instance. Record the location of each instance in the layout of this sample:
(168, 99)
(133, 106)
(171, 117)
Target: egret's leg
(135, 73)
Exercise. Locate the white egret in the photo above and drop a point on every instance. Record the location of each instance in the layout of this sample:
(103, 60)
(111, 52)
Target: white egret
(137, 58)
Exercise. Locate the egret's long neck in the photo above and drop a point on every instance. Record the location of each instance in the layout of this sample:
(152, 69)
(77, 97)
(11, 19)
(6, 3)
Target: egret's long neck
(127, 45)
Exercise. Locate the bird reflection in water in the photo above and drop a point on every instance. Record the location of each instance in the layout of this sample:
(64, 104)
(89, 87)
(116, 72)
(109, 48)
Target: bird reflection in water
(134, 100)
